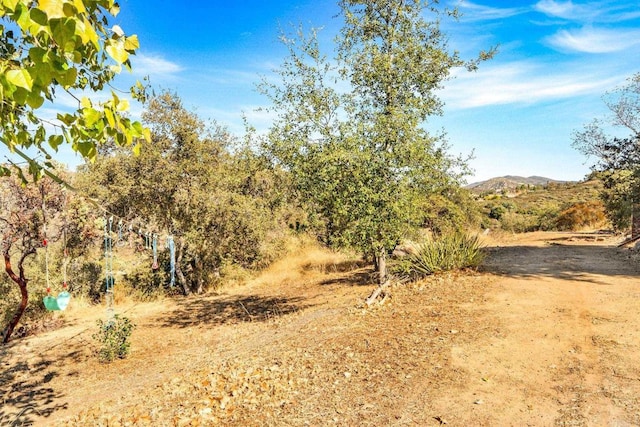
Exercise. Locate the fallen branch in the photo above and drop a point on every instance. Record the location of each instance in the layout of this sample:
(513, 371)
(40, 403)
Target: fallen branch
(626, 378)
(380, 290)
(629, 240)
(246, 311)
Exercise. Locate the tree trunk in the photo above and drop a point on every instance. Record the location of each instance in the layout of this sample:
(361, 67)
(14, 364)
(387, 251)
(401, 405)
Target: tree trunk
(377, 292)
(383, 279)
(179, 274)
(199, 275)
(382, 266)
(635, 220)
(21, 281)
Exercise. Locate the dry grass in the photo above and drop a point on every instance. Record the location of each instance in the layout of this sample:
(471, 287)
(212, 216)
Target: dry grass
(305, 259)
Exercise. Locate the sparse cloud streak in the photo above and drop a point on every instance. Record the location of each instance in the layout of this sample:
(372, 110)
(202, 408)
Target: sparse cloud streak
(154, 65)
(592, 40)
(589, 12)
(476, 12)
(559, 9)
(520, 83)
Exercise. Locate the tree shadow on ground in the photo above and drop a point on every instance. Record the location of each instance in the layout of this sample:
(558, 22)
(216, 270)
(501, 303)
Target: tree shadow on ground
(26, 394)
(566, 262)
(361, 277)
(223, 310)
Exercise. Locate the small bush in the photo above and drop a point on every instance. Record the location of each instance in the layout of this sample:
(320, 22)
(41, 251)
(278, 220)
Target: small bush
(449, 252)
(497, 212)
(453, 210)
(518, 223)
(113, 338)
(582, 215)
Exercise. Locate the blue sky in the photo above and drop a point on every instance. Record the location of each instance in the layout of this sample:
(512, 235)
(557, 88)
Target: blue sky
(517, 112)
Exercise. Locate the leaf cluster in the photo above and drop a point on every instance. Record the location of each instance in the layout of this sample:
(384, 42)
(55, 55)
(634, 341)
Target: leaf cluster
(62, 46)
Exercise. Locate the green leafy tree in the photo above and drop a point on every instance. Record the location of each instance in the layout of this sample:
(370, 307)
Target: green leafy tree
(360, 156)
(617, 195)
(217, 199)
(49, 47)
(618, 158)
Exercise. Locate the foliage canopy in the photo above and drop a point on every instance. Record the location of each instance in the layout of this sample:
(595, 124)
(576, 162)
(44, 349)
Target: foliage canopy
(196, 183)
(50, 49)
(359, 156)
(618, 158)
(30, 218)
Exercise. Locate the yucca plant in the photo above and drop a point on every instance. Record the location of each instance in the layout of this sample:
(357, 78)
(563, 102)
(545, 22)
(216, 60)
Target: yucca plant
(449, 252)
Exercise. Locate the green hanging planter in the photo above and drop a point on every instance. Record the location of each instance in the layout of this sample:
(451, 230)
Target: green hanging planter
(57, 304)
(50, 303)
(63, 299)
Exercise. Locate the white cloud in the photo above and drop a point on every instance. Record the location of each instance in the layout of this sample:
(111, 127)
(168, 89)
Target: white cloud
(602, 11)
(627, 16)
(154, 65)
(617, 11)
(476, 12)
(592, 40)
(566, 10)
(521, 83)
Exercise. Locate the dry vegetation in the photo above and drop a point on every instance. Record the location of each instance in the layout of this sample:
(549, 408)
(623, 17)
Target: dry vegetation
(556, 206)
(535, 340)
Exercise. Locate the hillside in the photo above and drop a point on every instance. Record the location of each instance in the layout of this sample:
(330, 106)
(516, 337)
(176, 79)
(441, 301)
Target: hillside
(510, 183)
(558, 193)
(554, 206)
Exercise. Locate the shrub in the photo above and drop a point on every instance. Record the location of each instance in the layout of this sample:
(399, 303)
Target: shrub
(518, 223)
(449, 252)
(454, 210)
(497, 212)
(547, 219)
(582, 215)
(146, 284)
(113, 338)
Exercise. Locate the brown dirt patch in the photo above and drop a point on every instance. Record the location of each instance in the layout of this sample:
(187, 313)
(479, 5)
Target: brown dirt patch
(547, 334)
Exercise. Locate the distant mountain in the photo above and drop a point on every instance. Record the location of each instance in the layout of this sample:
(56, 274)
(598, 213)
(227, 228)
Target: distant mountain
(510, 183)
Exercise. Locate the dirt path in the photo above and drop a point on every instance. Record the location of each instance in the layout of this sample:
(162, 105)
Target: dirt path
(568, 347)
(547, 335)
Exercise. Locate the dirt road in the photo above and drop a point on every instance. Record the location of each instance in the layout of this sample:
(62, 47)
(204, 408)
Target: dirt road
(568, 348)
(546, 335)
